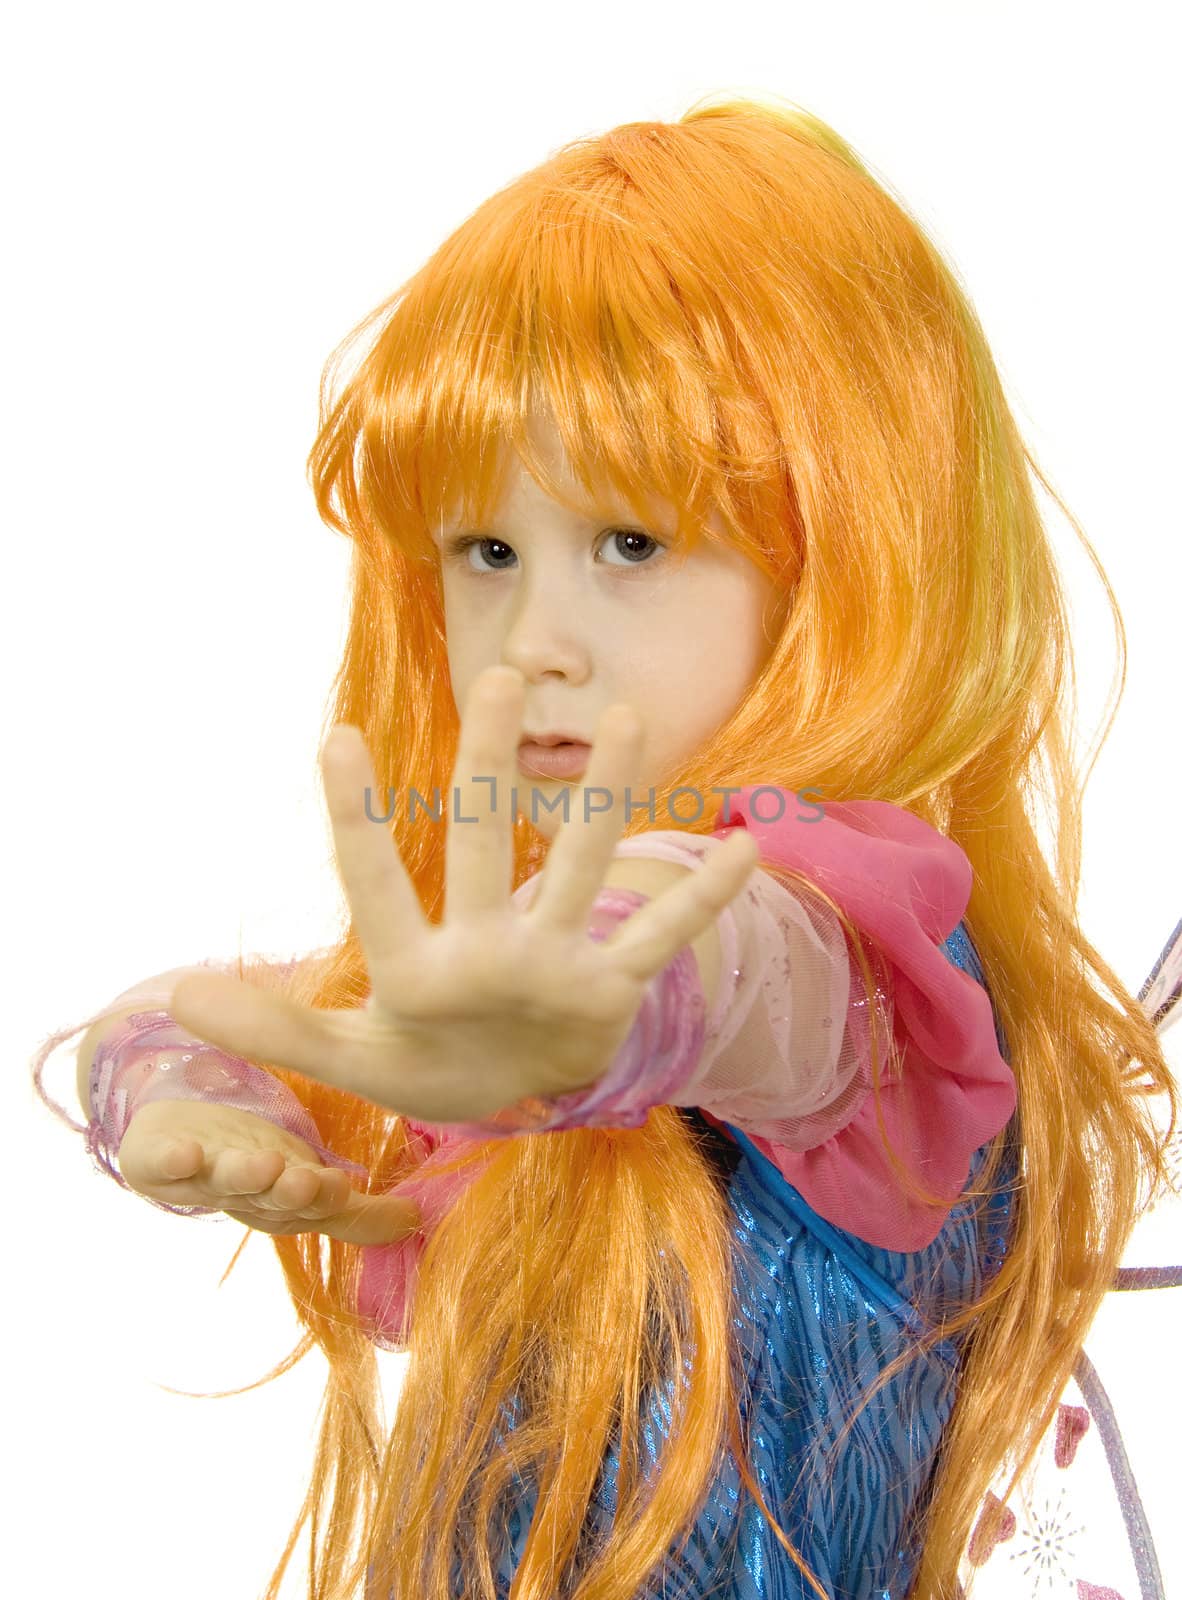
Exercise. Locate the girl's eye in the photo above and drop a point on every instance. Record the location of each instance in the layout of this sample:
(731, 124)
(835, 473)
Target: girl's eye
(639, 545)
(471, 541)
(639, 548)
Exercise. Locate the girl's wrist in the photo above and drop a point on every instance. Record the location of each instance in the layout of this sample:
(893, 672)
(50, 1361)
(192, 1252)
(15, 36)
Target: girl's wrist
(150, 994)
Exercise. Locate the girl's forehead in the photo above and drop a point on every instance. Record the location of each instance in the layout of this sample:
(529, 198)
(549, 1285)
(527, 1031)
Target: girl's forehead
(515, 486)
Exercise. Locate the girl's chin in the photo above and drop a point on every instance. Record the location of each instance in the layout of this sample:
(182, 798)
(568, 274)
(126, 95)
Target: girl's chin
(547, 818)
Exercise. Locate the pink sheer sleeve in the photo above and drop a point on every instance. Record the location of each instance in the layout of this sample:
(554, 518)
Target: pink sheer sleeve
(786, 1040)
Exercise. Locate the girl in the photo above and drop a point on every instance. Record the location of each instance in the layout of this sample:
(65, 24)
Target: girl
(743, 1183)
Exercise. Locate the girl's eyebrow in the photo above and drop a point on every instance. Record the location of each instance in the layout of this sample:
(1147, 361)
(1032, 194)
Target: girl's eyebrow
(492, 530)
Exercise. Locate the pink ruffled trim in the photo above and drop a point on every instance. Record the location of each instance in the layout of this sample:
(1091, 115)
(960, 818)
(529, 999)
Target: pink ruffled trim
(905, 887)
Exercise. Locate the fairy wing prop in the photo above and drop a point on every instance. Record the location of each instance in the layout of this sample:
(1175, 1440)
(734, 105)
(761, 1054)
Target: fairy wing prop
(1076, 1524)
(1161, 989)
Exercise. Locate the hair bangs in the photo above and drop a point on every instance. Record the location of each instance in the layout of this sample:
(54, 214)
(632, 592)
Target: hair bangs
(560, 305)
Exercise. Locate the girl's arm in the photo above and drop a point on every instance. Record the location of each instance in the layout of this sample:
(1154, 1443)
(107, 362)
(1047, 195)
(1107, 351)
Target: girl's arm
(783, 1051)
(133, 1052)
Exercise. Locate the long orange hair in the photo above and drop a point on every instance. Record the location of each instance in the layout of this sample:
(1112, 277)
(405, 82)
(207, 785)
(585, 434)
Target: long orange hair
(732, 312)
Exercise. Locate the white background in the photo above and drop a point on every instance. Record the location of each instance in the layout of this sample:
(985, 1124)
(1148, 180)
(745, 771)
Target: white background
(200, 203)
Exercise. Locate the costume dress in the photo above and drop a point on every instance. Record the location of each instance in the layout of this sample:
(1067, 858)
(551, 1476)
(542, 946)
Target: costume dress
(836, 1272)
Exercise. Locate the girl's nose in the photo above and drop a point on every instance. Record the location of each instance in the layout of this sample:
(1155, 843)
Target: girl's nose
(546, 635)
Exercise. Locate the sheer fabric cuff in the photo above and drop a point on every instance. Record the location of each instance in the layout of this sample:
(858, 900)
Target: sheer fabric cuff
(150, 1057)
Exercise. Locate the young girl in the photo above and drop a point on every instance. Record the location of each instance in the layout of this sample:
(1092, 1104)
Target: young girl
(725, 1112)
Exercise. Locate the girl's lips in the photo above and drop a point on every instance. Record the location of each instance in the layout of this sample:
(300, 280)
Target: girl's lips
(553, 760)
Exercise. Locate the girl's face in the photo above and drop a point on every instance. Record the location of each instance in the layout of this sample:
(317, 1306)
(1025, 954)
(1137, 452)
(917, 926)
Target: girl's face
(592, 617)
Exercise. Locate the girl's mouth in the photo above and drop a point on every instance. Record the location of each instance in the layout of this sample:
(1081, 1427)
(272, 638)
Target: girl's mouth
(553, 760)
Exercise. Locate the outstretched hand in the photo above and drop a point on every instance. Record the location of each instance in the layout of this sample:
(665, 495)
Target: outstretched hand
(496, 1002)
(191, 1153)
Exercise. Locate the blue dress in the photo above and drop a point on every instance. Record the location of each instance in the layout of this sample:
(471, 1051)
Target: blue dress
(818, 1314)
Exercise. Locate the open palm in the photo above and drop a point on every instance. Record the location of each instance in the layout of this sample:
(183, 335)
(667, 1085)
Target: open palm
(496, 1002)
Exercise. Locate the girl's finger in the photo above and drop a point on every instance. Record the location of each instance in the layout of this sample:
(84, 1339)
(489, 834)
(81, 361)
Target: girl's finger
(309, 1191)
(259, 1025)
(373, 1219)
(173, 1159)
(368, 1219)
(292, 1190)
(479, 856)
(385, 905)
(649, 939)
(578, 859)
(330, 1195)
(299, 1191)
(293, 1193)
(244, 1172)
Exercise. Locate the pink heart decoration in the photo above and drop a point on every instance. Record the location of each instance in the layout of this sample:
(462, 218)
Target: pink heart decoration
(995, 1525)
(1070, 1426)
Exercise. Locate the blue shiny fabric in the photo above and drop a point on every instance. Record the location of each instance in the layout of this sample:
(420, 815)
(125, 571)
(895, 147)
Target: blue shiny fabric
(818, 1315)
